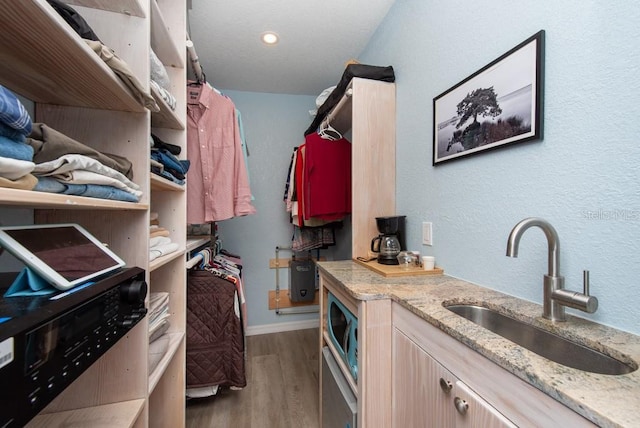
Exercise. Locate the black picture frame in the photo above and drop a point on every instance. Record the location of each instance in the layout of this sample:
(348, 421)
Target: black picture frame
(499, 105)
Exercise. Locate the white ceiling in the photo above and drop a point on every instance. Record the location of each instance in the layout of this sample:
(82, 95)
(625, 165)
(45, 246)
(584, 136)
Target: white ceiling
(317, 38)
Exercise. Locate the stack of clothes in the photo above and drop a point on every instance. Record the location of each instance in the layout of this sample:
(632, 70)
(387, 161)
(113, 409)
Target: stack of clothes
(165, 163)
(16, 157)
(117, 65)
(66, 166)
(158, 325)
(160, 243)
(34, 156)
(160, 80)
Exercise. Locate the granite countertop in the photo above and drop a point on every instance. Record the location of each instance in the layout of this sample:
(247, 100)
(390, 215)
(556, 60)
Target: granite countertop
(606, 400)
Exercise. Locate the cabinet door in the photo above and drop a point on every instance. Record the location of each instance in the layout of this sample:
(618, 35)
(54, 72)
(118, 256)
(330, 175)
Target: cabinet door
(471, 411)
(419, 399)
(425, 394)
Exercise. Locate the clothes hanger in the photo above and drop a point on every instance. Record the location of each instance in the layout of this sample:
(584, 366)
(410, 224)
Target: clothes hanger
(220, 274)
(328, 132)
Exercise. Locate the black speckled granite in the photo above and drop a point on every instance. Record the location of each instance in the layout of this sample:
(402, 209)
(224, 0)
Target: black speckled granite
(609, 401)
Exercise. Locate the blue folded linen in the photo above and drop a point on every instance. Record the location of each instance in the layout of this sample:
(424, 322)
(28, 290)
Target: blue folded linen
(14, 134)
(13, 113)
(10, 148)
(51, 185)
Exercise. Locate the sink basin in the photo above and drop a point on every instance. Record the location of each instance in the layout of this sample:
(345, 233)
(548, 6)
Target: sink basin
(543, 343)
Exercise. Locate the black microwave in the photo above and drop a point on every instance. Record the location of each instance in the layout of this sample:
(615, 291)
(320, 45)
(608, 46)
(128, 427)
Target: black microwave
(342, 326)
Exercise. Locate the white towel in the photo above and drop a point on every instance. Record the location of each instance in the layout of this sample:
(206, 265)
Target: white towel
(158, 241)
(162, 250)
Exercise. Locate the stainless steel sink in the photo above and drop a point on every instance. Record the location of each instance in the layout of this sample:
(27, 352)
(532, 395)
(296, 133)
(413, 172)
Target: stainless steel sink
(543, 343)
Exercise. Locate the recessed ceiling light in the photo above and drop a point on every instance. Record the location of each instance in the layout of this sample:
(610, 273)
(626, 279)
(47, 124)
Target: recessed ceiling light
(269, 38)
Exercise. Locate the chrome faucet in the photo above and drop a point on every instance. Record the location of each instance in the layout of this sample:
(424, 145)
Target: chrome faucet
(555, 296)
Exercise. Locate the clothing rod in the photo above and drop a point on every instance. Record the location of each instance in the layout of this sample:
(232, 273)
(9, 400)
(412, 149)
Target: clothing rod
(334, 111)
(195, 61)
(194, 261)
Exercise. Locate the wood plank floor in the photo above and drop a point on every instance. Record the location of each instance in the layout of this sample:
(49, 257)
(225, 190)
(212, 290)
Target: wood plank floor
(281, 391)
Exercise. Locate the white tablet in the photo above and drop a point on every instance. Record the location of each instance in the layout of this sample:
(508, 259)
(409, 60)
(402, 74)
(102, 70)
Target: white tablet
(63, 254)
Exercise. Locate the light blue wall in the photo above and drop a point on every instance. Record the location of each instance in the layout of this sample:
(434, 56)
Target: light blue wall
(274, 124)
(583, 177)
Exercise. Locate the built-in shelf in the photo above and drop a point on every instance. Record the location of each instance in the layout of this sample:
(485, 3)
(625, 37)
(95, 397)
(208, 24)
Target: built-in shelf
(165, 118)
(43, 60)
(166, 382)
(32, 199)
(161, 261)
(195, 242)
(122, 414)
(174, 343)
(161, 183)
(340, 116)
(126, 7)
(75, 75)
(161, 40)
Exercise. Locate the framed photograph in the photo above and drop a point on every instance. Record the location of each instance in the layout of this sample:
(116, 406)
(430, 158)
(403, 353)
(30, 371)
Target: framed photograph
(500, 104)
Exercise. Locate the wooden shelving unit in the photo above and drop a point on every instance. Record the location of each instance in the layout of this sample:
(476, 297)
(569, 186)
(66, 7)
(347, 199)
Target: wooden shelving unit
(368, 111)
(76, 93)
(40, 68)
(111, 415)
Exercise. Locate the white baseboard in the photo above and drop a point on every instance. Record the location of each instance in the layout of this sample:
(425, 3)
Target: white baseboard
(282, 326)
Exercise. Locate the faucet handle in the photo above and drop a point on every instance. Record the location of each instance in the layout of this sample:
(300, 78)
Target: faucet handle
(573, 299)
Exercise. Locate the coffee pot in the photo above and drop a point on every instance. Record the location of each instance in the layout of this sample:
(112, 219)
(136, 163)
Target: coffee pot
(389, 243)
(387, 247)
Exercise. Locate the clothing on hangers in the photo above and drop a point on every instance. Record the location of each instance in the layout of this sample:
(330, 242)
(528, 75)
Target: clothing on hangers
(223, 265)
(326, 178)
(221, 274)
(215, 344)
(199, 259)
(218, 181)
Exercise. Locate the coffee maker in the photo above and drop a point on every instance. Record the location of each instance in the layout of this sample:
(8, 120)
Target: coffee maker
(391, 239)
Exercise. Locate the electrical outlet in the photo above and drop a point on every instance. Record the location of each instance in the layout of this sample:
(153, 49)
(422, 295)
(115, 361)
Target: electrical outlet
(427, 233)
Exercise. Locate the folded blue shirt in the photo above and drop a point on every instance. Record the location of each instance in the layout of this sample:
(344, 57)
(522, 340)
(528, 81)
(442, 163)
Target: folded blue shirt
(14, 134)
(178, 168)
(13, 113)
(167, 175)
(15, 150)
(51, 185)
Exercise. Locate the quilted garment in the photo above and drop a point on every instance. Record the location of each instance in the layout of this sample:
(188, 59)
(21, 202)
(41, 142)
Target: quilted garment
(215, 339)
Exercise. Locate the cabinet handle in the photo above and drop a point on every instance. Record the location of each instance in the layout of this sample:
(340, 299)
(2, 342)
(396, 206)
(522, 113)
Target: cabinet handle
(461, 405)
(445, 385)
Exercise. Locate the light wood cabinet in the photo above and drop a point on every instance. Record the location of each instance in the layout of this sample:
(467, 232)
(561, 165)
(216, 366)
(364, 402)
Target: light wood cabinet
(373, 386)
(425, 394)
(76, 93)
(475, 412)
(423, 354)
(368, 110)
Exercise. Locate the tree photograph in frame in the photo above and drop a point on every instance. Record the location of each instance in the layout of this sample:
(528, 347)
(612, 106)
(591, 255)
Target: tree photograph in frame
(498, 105)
